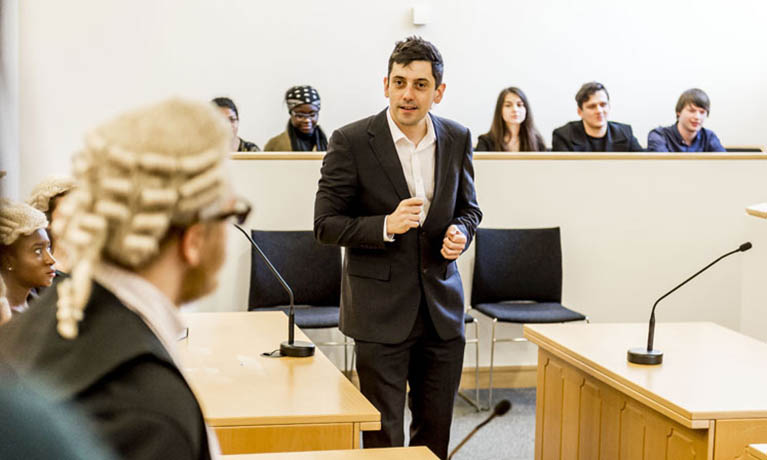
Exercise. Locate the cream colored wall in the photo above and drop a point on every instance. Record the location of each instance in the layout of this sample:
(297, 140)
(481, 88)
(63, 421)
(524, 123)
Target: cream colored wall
(753, 317)
(631, 230)
(83, 60)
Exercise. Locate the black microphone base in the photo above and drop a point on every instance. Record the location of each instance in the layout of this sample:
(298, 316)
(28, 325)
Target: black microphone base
(297, 349)
(641, 355)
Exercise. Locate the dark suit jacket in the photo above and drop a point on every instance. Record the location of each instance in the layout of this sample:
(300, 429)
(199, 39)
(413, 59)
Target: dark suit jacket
(116, 372)
(382, 283)
(572, 138)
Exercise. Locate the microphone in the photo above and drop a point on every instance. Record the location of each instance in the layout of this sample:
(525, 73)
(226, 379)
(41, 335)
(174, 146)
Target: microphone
(291, 347)
(641, 355)
(500, 409)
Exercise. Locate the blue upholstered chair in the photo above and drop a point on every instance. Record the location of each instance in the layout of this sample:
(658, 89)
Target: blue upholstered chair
(312, 271)
(518, 279)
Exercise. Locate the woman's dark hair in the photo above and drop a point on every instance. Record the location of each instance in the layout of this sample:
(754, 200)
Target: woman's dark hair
(530, 140)
(417, 49)
(226, 103)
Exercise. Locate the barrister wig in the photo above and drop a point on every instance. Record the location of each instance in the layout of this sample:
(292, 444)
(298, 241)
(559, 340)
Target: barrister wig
(49, 189)
(18, 219)
(139, 175)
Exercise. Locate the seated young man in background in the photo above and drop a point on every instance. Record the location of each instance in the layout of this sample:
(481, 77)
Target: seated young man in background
(593, 133)
(688, 133)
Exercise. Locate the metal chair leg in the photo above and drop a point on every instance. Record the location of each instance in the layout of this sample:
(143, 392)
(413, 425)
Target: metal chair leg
(476, 364)
(492, 359)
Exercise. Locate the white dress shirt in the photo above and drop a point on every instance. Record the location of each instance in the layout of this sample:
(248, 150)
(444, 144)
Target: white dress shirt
(417, 164)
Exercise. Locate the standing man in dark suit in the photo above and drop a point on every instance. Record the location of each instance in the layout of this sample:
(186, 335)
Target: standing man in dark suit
(397, 191)
(593, 133)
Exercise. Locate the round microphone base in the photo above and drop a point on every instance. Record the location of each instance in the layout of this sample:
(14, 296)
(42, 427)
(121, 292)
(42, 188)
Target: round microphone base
(641, 355)
(297, 349)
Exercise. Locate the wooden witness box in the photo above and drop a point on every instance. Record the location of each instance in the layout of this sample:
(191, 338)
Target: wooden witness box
(593, 404)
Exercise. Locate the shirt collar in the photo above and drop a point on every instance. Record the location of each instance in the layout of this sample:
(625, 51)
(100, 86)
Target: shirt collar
(146, 300)
(397, 134)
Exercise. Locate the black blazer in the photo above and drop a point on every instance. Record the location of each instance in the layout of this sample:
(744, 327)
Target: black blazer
(116, 372)
(572, 138)
(382, 283)
(485, 143)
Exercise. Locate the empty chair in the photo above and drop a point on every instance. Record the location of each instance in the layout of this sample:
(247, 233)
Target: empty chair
(312, 271)
(518, 279)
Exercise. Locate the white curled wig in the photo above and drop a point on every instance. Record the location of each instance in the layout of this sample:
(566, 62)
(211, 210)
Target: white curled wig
(51, 187)
(137, 176)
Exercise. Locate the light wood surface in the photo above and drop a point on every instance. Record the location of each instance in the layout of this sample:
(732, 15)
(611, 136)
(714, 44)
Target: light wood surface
(262, 404)
(394, 453)
(535, 156)
(757, 452)
(706, 400)
(758, 210)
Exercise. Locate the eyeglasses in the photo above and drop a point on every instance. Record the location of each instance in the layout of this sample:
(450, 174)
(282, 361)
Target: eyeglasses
(237, 213)
(304, 115)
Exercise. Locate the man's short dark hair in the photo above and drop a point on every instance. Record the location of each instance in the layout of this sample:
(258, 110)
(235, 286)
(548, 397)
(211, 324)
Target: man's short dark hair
(696, 97)
(226, 103)
(417, 49)
(587, 90)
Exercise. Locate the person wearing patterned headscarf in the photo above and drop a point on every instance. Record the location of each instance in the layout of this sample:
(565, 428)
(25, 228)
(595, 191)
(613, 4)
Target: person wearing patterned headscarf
(145, 230)
(303, 134)
(26, 262)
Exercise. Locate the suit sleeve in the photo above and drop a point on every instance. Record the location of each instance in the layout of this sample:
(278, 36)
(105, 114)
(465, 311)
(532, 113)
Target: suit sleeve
(656, 142)
(467, 213)
(335, 220)
(558, 142)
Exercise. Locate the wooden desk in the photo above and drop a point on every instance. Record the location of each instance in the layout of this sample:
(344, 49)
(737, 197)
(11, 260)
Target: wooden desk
(394, 453)
(706, 401)
(260, 404)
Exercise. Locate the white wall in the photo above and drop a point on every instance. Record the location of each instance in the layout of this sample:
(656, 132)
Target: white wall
(631, 231)
(9, 97)
(82, 60)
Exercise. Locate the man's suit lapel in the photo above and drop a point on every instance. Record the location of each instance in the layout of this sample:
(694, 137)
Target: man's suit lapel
(443, 142)
(383, 148)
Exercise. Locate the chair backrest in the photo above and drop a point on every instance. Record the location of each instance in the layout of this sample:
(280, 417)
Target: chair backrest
(312, 271)
(517, 264)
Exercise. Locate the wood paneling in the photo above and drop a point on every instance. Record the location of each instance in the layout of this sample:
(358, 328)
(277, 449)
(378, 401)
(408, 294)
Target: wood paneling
(276, 438)
(581, 418)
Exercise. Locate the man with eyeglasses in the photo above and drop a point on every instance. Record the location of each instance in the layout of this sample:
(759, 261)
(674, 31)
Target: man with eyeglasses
(145, 231)
(302, 134)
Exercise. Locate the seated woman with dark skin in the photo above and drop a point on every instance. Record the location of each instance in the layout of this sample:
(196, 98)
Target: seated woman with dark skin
(302, 134)
(26, 261)
(513, 128)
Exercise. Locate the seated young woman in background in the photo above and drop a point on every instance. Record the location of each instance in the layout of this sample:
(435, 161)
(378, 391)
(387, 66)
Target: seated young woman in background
(45, 197)
(26, 261)
(513, 128)
(303, 134)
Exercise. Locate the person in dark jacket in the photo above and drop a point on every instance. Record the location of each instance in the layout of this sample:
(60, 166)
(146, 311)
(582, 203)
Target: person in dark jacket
(593, 132)
(688, 133)
(229, 110)
(145, 231)
(513, 128)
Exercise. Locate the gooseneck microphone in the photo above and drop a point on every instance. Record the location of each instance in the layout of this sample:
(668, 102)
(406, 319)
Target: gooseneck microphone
(500, 409)
(641, 355)
(291, 347)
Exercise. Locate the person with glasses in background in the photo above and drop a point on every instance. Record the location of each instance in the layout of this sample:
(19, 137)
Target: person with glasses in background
(145, 231)
(302, 134)
(229, 110)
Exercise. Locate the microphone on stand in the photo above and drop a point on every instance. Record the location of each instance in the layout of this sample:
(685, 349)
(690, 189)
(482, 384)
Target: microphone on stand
(642, 355)
(500, 409)
(291, 347)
